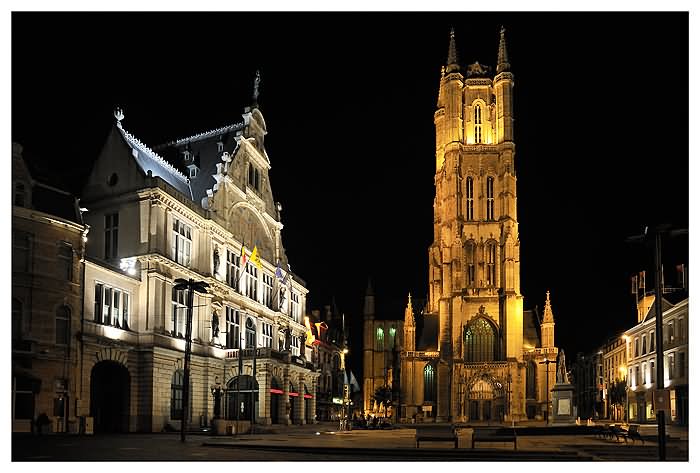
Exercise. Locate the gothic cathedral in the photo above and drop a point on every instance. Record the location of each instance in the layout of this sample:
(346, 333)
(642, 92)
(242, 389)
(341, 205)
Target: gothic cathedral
(475, 354)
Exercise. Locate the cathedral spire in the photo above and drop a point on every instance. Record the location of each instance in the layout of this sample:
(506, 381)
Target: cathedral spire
(503, 64)
(548, 315)
(452, 54)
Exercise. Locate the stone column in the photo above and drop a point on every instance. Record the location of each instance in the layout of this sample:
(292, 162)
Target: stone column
(285, 400)
(300, 400)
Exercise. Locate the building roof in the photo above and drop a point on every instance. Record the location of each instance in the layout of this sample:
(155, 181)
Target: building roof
(149, 160)
(428, 326)
(531, 328)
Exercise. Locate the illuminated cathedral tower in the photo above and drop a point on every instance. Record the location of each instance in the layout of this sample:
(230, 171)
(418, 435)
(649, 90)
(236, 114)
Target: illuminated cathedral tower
(485, 344)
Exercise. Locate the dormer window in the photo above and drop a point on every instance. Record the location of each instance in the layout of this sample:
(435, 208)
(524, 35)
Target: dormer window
(219, 146)
(193, 171)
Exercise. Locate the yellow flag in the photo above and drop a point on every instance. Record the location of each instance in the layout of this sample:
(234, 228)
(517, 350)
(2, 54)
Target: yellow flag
(255, 257)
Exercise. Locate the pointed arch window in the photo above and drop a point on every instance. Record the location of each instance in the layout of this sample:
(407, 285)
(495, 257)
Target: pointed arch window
(469, 250)
(491, 263)
(490, 202)
(480, 341)
(470, 198)
(477, 124)
(380, 339)
(531, 381)
(429, 384)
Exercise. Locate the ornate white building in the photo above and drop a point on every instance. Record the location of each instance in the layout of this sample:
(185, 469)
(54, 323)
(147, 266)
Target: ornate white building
(151, 224)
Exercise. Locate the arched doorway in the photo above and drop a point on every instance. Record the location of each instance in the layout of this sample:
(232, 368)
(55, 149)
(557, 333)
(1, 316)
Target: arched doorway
(241, 398)
(275, 400)
(109, 397)
(293, 395)
(486, 400)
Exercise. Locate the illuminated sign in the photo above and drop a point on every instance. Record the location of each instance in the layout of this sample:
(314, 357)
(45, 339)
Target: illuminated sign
(337, 400)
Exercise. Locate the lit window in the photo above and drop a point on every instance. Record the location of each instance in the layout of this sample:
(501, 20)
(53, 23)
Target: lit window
(380, 339)
(651, 372)
(179, 312)
(111, 235)
(651, 342)
(267, 284)
(295, 346)
(62, 325)
(233, 271)
(470, 198)
(182, 243)
(480, 341)
(429, 383)
(111, 306)
(251, 286)
(176, 395)
(490, 201)
(266, 334)
(250, 333)
(233, 328)
(636, 347)
(644, 344)
(295, 307)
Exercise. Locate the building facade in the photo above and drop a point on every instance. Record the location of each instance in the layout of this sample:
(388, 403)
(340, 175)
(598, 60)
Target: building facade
(198, 208)
(474, 354)
(48, 244)
(615, 379)
(641, 356)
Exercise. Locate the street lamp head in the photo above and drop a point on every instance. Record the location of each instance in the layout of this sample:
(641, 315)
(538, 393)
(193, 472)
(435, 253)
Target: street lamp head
(345, 351)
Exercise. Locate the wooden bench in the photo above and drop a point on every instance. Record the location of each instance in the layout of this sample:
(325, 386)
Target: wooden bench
(499, 434)
(633, 433)
(436, 434)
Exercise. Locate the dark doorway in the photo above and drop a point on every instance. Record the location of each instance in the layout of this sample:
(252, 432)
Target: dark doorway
(275, 397)
(109, 397)
(242, 398)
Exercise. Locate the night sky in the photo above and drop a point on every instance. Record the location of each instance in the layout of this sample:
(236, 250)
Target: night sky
(601, 110)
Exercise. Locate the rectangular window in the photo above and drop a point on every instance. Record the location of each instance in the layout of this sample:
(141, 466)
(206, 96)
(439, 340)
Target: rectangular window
(111, 235)
(65, 261)
(179, 312)
(254, 177)
(671, 366)
(267, 283)
(23, 398)
(182, 243)
(491, 264)
(637, 379)
(107, 306)
(681, 330)
(233, 269)
(111, 306)
(62, 326)
(671, 334)
(644, 344)
(652, 340)
(636, 347)
(266, 334)
(644, 373)
(681, 365)
(20, 251)
(295, 346)
(251, 286)
(116, 313)
(97, 315)
(295, 307)
(652, 374)
(125, 311)
(233, 328)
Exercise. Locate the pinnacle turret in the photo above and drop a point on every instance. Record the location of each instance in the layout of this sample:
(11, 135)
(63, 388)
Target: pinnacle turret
(503, 64)
(548, 315)
(452, 54)
(409, 318)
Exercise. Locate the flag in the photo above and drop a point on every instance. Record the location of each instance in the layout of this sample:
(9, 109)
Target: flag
(634, 284)
(255, 257)
(353, 383)
(278, 271)
(244, 258)
(642, 281)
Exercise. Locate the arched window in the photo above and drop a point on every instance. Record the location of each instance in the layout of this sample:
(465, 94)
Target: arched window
(250, 336)
(490, 202)
(469, 250)
(480, 341)
(477, 124)
(429, 383)
(62, 325)
(16, 319)
(380, 339)
(531, 381)
(470, 198)
(176, 394)
(491, 263)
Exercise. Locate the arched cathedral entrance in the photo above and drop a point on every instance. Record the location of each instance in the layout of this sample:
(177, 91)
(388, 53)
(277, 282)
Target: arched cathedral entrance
(110, 397)
(486, 400)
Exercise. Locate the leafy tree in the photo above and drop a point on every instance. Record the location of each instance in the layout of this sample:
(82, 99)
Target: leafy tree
(383, 394)
(617, 393)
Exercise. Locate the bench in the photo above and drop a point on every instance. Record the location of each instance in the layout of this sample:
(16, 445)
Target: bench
(437, 434)
(633, 433)
(482, 434)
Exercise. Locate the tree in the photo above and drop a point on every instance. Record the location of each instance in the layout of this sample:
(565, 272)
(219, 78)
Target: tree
(383, 394)
(617, 393)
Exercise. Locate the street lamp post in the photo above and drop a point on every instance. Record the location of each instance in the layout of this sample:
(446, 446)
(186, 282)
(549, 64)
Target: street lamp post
(191, 286)
(546, 364)
(346, 392)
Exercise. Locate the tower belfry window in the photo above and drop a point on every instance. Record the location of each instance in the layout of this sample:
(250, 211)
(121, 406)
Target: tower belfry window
(470, 198)
(490, 202)
(477, 124)
(491, 264)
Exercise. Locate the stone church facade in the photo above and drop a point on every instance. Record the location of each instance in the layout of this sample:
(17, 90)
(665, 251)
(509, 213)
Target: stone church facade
(479, 356)
(184, 210)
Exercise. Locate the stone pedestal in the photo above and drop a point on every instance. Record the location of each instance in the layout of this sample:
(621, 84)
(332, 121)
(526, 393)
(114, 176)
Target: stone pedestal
(563, 404)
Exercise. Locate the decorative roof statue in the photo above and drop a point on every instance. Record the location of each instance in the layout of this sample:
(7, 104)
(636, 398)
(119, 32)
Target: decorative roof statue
(256, 87)
(562, 378)
(119, 114)
(477, 70)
